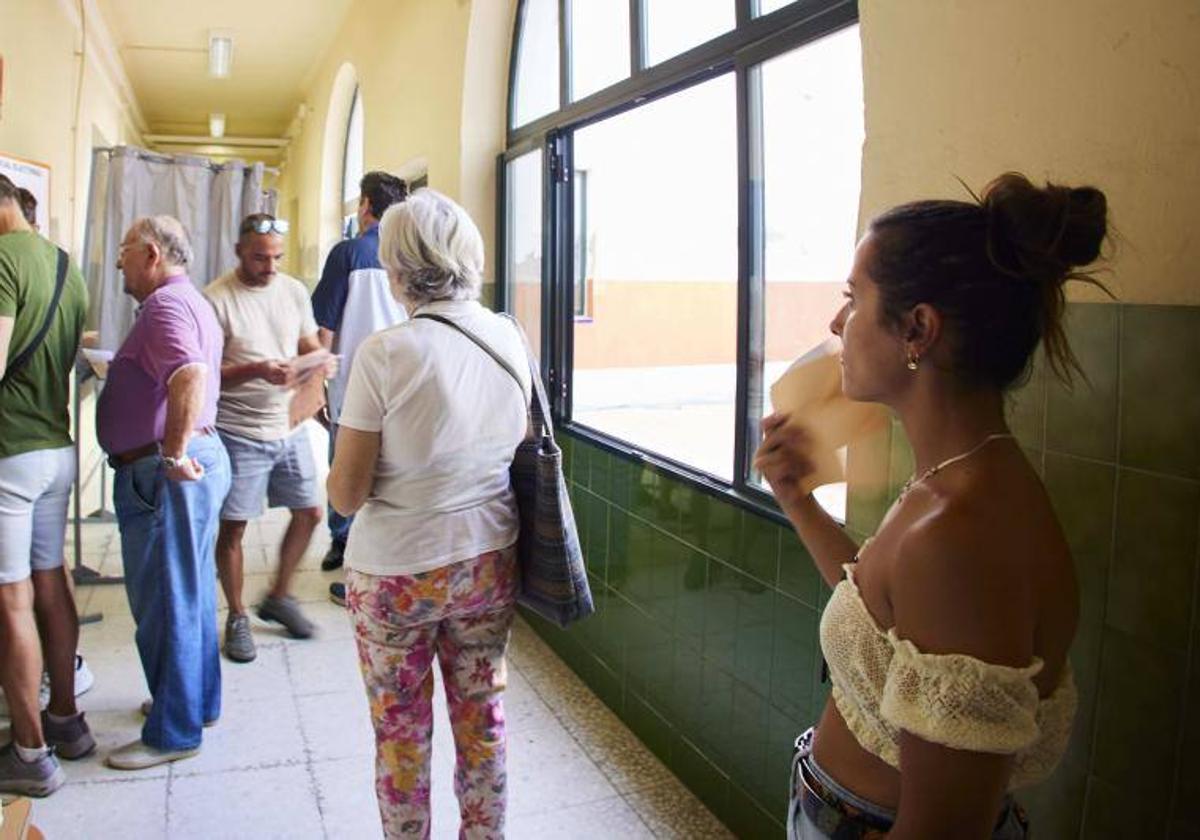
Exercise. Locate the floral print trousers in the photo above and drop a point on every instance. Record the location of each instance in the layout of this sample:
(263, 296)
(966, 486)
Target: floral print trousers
(462, 613)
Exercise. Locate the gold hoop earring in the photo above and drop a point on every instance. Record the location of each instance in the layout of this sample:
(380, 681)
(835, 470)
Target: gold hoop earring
(913, 361)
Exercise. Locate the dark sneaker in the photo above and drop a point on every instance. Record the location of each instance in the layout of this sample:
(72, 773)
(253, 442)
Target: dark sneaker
(334, 557)
(337, 593)
(71, 739)
(286, 611)
(33, 778)
(239, 641)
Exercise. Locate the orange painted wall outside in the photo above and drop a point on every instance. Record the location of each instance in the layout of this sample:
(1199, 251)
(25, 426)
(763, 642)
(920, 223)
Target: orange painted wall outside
(651, 324)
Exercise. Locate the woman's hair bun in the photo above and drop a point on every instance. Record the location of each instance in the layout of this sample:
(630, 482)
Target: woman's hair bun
(1043, 233)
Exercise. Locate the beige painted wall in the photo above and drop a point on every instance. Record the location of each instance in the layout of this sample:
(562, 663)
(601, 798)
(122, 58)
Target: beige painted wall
(39, 40)
(427, 101)
(1098, 91)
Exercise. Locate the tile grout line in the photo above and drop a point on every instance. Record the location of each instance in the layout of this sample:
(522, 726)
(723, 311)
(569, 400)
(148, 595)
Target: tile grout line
(1112, 561)
(309, 769)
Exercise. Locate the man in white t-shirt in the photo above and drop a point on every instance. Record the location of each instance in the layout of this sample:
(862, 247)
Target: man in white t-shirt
(268, 324)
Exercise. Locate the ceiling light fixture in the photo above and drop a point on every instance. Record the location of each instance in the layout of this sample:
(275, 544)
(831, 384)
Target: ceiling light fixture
(220, 53)
(216, 125)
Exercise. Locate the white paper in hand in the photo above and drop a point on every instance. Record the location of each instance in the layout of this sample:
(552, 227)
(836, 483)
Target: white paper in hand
(810, 393)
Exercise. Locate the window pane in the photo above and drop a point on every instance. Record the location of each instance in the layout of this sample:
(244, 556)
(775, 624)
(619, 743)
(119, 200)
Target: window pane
(656, 363)
(765, 6)
(352, 167)
(536, 84)
(599, 44)
(524, 243)
(674, 26)
(812, 136)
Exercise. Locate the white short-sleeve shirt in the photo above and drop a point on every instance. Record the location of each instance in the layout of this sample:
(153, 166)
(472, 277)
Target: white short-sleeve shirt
(450, 419)
(260, 323)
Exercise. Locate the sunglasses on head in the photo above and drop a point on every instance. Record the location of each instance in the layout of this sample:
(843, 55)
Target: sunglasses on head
(279, 226)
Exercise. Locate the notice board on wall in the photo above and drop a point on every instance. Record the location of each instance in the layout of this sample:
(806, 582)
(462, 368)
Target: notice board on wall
(33, 176)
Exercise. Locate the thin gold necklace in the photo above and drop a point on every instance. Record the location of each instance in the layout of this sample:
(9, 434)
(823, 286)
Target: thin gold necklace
(937, 468)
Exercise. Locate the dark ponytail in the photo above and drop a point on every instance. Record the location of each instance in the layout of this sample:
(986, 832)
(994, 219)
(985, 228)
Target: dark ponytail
(994, 269)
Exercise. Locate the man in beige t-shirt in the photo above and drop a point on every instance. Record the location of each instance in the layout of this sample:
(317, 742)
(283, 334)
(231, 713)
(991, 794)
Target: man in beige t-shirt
(268, 324)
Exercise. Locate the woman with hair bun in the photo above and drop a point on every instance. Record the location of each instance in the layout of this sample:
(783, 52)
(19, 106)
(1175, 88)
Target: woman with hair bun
(947, 633)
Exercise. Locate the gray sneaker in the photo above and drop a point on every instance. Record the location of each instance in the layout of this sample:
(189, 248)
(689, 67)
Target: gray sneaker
(71, 739)
(286, 611)
(34, 778)
(239, 641)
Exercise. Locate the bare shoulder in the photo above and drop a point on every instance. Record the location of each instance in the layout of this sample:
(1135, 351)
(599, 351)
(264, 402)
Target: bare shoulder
(956, 586)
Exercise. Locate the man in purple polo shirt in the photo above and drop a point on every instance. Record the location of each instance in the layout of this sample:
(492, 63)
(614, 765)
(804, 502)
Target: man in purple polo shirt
(156, 419)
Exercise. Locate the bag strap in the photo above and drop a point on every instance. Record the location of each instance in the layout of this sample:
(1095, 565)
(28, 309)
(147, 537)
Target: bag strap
(539, 409)
(25, 355)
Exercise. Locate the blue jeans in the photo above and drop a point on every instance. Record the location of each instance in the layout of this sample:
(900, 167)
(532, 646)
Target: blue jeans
(839, 813)
(168, 537)
(339, 526)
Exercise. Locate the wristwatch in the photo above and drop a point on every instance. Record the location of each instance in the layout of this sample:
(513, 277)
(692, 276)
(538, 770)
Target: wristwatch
(173, 463)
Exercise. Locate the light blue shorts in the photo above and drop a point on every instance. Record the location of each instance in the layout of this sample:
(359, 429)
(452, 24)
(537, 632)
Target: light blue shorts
(34, 490)
(282, 471)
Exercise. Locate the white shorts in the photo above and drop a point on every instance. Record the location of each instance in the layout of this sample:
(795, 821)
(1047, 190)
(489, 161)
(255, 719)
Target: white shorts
(34, 490)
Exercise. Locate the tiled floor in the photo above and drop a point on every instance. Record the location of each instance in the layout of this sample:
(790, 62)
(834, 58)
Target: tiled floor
(292, 756)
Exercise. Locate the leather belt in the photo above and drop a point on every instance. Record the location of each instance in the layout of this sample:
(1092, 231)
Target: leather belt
(129, 456)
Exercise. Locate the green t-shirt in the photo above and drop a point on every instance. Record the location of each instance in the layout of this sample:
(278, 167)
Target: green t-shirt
(33, 400)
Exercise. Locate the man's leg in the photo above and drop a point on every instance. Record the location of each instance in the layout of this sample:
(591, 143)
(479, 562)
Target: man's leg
(53, 603)
(167, 569)
(291, 550)
(231, 563)
(292, 485)
(339, 526)
(21, 662)
(58, 627)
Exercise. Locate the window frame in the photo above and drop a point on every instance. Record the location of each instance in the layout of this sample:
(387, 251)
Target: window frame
(754, 40)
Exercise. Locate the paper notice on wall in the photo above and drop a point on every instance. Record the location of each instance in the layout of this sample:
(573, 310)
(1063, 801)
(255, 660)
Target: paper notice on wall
(810, 392)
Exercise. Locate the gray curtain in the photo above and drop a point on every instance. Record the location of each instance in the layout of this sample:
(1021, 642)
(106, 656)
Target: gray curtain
(209, 198)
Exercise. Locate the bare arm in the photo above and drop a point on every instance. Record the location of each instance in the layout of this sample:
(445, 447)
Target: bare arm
(185, 398)
(235, 374)
(945, 605)
(353, 470)
(6, 331)
(783, 461)
(325, 337)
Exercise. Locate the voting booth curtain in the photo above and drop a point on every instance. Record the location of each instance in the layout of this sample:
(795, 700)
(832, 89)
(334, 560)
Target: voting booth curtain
(209, 198)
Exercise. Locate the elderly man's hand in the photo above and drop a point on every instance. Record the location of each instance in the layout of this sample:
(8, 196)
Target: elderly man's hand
(186, 469)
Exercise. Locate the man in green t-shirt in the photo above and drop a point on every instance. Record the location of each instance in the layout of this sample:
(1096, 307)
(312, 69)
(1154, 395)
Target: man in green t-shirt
(37, 469)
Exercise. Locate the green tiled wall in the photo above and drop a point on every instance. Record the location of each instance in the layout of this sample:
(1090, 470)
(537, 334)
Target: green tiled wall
(705, 638)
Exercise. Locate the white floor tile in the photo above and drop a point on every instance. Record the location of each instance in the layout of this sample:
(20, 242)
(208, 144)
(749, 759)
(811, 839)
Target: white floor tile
(132, 808)
(337, 725)
(263, 804)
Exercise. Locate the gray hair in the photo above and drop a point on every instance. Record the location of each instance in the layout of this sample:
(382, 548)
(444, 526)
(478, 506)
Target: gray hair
(433, 250)
(168, 234)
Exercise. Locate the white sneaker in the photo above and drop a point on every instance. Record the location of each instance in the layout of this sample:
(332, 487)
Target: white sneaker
(84, 680)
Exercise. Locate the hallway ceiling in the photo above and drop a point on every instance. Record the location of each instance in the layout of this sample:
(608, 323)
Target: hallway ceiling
(276, 44)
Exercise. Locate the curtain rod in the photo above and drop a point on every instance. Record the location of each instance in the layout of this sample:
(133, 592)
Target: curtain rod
(197, 160)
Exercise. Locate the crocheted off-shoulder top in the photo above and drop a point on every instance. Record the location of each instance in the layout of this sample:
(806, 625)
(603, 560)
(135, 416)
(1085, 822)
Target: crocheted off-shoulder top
(882, 684)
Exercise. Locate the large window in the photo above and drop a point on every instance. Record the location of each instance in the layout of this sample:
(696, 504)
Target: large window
(523, 245)
(677, 238)
(352, 166)
(656, 365)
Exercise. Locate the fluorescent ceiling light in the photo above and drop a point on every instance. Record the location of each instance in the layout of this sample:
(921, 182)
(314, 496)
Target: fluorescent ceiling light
(216, 125)
(220, 52)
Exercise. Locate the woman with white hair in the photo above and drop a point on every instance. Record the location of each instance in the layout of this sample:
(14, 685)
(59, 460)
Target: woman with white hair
(429, 427)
